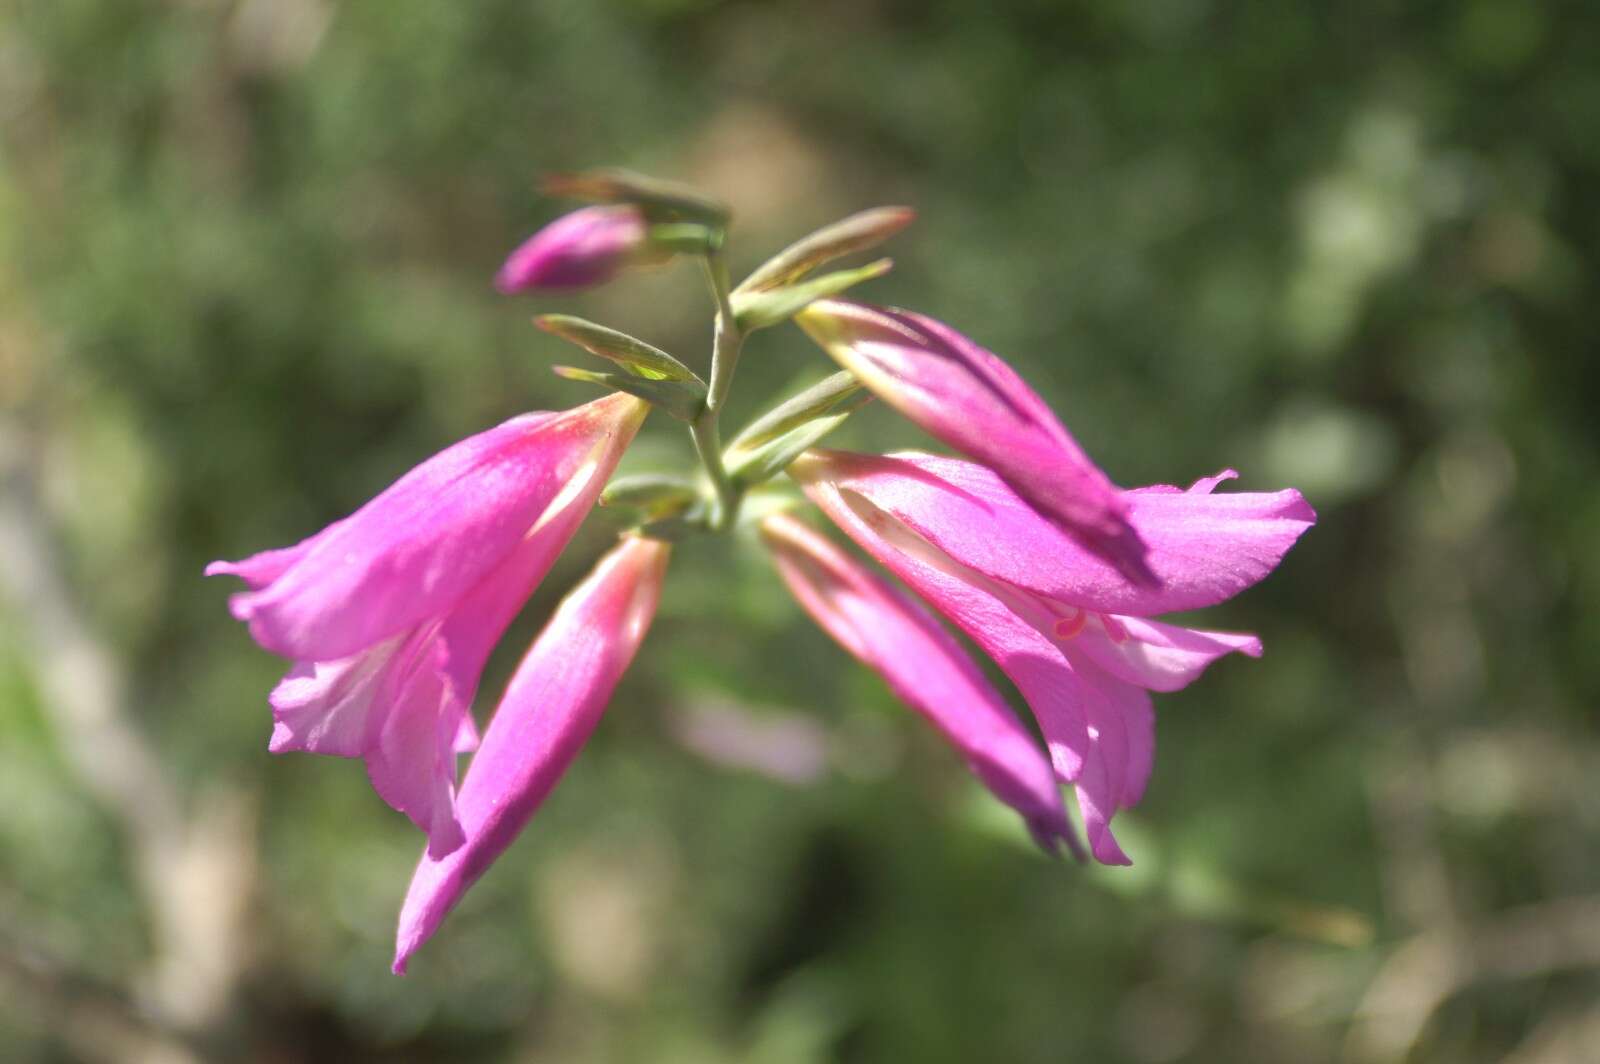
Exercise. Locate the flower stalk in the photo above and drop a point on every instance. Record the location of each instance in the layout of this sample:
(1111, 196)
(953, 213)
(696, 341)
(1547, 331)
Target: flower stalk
(727, 342)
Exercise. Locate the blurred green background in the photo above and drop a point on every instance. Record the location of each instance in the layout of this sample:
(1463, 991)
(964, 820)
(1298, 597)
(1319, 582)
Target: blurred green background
(245, 252)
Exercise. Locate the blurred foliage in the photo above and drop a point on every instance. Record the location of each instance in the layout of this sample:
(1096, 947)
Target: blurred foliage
(245, 250)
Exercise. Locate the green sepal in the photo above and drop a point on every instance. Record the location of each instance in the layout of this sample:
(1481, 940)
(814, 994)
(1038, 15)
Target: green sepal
(858, 232)
(682, 399)
(816, 401)
(627, 351)
(661, 201)
(654, 495)
(685, 238)
(764, 462)
(757, 310)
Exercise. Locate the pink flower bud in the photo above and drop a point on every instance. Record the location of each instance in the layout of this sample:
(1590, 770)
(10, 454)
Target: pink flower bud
(578, 250)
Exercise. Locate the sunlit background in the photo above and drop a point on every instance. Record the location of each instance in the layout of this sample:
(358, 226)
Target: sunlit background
(245, 254)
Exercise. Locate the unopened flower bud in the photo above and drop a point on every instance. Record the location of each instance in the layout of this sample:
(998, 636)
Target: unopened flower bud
(587, 247)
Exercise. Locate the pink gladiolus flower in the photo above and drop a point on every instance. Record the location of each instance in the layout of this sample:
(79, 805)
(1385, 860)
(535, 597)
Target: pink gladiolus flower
(577, 250)
(1070, 632)
(550, 707)
(893, 635)
(972, 400)
(390, 613)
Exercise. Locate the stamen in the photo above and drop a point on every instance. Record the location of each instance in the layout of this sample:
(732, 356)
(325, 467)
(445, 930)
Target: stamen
(1069, 627)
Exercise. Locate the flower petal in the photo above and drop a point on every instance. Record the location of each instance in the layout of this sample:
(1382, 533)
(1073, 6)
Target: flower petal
(924, 666)
(1156, 656)
(552, 704)
(413, 551)
(1204, 548)
(259, 570)
(972, 400)
(327, 707)
(412, 760)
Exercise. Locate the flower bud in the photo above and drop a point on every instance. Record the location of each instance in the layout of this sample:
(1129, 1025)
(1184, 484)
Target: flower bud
(578, 250)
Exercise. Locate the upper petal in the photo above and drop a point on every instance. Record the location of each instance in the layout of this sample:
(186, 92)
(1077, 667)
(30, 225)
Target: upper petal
(924, 666)
(972, 400)
(414, 550)
(550, 707)
(1204, 548)
(259, 570)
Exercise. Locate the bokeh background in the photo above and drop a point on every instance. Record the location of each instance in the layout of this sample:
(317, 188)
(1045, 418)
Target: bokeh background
(245, 251)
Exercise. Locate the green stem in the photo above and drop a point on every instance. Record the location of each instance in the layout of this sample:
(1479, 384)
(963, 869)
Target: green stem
(726, 343)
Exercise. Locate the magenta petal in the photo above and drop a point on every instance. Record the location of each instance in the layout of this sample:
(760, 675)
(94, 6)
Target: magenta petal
(259, 570)
(1156, 656)
(410, 553)
(552, 704)
(327, 707)
(972, 400)
(924, 666)
(587, 247)
(1204, 548)
(412, 761)
(1122, 743)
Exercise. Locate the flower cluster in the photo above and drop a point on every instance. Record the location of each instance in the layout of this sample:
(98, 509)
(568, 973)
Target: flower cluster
(1028, 548)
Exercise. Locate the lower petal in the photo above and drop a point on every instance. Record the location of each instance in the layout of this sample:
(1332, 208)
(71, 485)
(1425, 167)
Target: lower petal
(332, 707)
(1156, 656)
(412, 763)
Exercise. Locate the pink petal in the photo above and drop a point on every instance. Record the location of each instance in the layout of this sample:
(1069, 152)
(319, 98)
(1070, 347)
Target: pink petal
(552, 704)
(1122, 735)
(1204, 548)
(972, 400)
(1156, 656)
(412, 760)
(410, 553)
(259, 570)
(327, 707)
(1090, 743)
(924, 666)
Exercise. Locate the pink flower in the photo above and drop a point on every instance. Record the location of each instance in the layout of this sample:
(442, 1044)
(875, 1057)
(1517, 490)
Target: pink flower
(587, 247)
(972, 400)
(550, 707)
(390, 613)
(893, 635)
(1062, 623)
